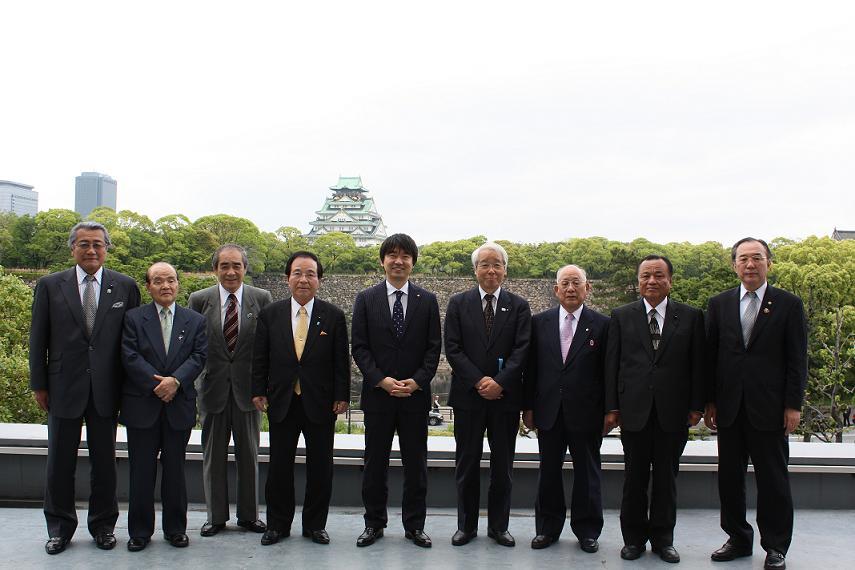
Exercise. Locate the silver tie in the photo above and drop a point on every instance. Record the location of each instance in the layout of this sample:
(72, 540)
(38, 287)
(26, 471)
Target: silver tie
(166, 327)
(750, 316)
(90, 305)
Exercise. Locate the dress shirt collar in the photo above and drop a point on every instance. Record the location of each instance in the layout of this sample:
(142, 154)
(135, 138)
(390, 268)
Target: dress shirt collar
(390, 289)
(295, 307)
(171, 308)
(660, 308)
(562, 313)
(224, 295)
(761, 291)
(495, 293)
(81, 275)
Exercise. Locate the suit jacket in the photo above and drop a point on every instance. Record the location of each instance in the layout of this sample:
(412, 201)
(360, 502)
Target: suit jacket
(472, 355)
(575, 386)
(67, 362)
(144, 356)
(379, 353)
(767, 376)
(227, 371)
(323, 370)
(672, 377)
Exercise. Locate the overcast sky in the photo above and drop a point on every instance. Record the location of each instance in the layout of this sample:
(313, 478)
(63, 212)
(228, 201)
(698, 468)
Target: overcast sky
(527, 121)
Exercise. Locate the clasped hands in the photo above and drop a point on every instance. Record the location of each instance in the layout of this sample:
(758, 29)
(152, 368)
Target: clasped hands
(489, 389)
(260, 403)
(399, 388)
(167, 387)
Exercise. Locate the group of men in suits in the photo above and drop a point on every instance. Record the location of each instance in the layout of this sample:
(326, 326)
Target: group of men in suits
(652, 368)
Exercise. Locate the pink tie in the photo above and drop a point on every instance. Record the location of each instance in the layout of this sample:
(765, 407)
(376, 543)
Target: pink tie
(566, 335)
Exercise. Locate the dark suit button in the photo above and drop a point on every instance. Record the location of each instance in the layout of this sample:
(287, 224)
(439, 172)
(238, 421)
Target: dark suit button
(91, 348)
(89, 371)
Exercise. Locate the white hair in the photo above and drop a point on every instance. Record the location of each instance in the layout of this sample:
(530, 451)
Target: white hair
(489, 246)
(571, 266)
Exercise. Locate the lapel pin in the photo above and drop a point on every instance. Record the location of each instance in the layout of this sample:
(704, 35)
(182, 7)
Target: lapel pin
(317, 324)
(109, 290)
(504, 309)
(249, 315)
(766, 310)
(586, 330)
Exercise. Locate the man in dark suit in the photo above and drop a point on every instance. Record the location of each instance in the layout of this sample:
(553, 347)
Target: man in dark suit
(164, 347)
(76, 374)
(225, 390)
(301, 377)
(487, 331)
(565, 393)
(396, 345)
(655, 390)
(758, 364)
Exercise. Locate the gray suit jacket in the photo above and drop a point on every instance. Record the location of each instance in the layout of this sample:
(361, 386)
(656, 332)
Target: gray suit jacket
(225, 370)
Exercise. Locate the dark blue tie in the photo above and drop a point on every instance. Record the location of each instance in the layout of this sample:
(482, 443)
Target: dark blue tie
(398, 315)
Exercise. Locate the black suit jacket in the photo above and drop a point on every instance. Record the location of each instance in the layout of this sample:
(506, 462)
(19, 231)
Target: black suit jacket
(64, 360)
(767, 376)
(672, 377)
(144, 356)
(577, 385)
(472, 355)
(323, 371)
(379, 353)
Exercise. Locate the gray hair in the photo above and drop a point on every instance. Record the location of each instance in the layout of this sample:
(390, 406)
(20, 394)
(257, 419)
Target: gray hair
(215, 259)
(571, 266)
(87, 225)
(489, 246)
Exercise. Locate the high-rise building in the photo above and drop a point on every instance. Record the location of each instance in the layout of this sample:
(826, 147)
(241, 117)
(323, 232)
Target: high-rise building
(18, 198)
(349, 210)
(93, 190)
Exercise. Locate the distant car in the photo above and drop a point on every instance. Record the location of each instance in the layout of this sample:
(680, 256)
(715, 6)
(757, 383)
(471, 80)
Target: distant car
(434, 418)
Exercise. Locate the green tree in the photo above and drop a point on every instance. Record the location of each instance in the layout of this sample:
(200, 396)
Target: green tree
(336, 250)
(48, 246)
(17, 404)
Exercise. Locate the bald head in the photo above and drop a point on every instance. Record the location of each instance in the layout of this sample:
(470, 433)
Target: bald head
(571, 287)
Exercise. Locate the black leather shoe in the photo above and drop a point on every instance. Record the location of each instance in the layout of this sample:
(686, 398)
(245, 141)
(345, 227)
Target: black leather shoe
(632, 551)
(56, 544)
(502, 537)
(137, 544)
(271, 536)
(542, 541)
(178, 540)
(462, 537)
(589, 545)
(369, 535)
(667, 553)
(419, 538)
(105, 540)
(730, 551)
(210, 529)
(317, 536)
(774, 561)
(254, 526)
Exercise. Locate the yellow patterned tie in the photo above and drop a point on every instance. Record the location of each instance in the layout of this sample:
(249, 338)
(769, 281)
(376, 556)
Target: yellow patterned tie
(300, 339)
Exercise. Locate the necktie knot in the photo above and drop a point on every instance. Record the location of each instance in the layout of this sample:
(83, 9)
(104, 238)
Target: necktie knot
(398, 295)
(655, 331)
(489, 296)
(89, 278)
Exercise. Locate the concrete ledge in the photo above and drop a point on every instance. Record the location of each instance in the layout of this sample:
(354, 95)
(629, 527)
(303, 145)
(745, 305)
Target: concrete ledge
(822, 475)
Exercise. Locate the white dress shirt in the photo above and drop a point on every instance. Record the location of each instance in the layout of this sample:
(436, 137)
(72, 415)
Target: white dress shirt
(574, 322)
(81, 283)
(224, 303)
(295, 310)
(390, 294)
(743, 297)
(495, 299)
(660, 312)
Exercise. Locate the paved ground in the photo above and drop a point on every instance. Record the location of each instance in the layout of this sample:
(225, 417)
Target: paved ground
(823, 540)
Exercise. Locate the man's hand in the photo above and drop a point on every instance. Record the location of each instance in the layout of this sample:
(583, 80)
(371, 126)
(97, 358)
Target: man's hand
(528, 419)
(42, 399)
(406, 387)
(489, 389)
(610, 422)
(395, 388)
(167, 387)
(710, 416)
(791, 420)
(694, 418)
(339, 407)
(260, 403)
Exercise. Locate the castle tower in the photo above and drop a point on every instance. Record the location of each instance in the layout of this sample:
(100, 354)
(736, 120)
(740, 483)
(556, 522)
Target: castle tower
(349, 210)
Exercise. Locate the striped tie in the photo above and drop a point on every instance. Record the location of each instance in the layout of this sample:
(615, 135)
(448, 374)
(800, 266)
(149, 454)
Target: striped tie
(230, 325)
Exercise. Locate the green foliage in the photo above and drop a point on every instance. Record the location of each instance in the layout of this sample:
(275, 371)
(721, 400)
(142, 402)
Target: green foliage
(17, 403)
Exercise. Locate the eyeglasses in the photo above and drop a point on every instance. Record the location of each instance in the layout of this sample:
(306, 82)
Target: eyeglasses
(575, 284)
(85, 245)
(494, 266)
(743, 259)
(296, 274)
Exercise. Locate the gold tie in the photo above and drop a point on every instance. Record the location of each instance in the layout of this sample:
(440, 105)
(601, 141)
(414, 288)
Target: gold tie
(300, 339)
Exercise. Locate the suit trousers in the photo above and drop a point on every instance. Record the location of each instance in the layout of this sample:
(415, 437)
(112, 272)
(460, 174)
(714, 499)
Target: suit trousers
(143, 447)
(662, 450)
(216, 430)
(586, 503)
(279, 490)
(502, 426)
(63, 442)
(769, 452)
(412, 430)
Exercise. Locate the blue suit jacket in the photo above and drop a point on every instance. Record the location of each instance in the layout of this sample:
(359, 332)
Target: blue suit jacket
(144, 356)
